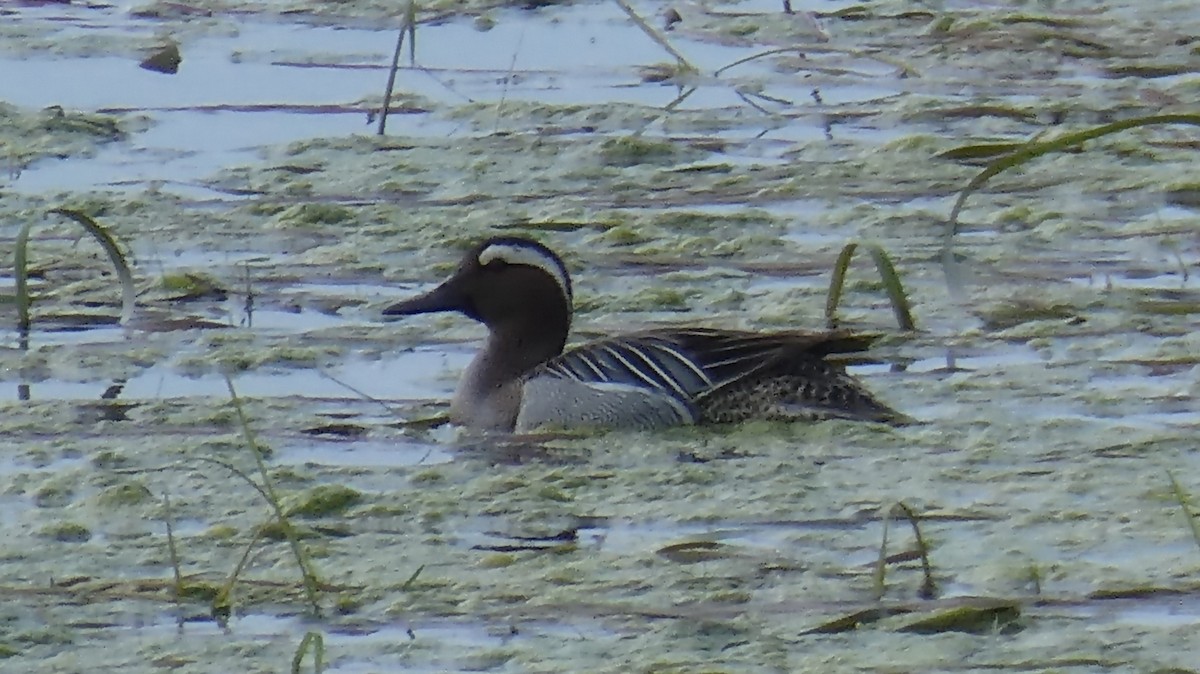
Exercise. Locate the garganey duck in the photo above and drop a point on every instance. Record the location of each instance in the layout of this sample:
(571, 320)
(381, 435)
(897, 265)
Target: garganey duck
(523, 380)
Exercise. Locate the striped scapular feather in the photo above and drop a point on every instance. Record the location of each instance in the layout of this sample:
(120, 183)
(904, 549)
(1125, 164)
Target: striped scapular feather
(716, 372)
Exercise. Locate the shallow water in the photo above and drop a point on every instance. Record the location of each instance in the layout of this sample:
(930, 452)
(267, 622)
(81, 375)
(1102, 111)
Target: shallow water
(1058, 391)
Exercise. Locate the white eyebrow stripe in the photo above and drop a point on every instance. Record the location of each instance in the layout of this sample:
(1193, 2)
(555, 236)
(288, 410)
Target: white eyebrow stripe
(532, 257)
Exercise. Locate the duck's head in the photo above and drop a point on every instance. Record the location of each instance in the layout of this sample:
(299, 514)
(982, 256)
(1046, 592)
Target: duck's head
(508, 283)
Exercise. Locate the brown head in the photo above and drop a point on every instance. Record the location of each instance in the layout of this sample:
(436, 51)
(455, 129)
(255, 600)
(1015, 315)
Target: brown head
(515, 286)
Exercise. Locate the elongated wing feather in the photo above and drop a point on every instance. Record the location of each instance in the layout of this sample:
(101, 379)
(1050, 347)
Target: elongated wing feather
(646, 360)
(727, 356)
(729, 375)
(687, 362)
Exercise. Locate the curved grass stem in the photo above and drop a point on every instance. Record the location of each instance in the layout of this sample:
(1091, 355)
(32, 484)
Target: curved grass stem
(887, 276)
(101, 235)
(1026, 153)
(267, 489)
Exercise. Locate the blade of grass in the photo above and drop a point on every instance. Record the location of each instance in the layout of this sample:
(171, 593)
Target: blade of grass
(683, 96)
(21, 273)
(410, 17)
(109, 244)
(239, 473)
(928, 588)
(311, 583)
(879, 577)
(1034, 149)
(892, 286)
(222, 604)
(413, 578)
(837, 282)
(654, 35)
(903, 69)
(356, 391)
(173, 551)
(1182, 497)
(314, 641)
(979, 151)
(101, 235)
(887, 275)
(407, 27)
